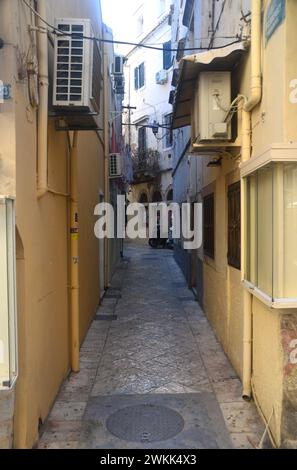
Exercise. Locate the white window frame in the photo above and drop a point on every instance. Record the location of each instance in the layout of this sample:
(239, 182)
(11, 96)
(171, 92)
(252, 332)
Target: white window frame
(8, 316)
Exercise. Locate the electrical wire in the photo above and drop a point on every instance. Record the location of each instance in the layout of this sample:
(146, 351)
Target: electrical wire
(58, 32)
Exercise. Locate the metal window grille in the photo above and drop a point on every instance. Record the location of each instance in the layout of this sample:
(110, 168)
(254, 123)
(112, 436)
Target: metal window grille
(209, 225)
(234, 226)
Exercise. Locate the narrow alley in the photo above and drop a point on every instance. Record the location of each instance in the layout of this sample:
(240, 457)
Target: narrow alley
(152, 373)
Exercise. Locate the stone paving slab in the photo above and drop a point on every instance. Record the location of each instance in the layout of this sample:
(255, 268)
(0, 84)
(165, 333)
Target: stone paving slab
(153, 343)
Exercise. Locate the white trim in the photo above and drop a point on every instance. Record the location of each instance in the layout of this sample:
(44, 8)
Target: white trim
(278, 304)
(278, 152)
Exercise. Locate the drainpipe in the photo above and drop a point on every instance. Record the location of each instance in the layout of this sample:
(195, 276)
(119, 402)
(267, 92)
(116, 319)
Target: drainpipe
(249, 105)
(106, 159)
(74, 258)
(43, 102)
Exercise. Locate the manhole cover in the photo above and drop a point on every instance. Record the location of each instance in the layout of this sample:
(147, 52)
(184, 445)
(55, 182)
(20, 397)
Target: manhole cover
(145, 423)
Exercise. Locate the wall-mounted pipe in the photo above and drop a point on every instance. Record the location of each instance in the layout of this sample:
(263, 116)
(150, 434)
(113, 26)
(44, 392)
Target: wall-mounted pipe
(249, 105)
(74, 255)
(106, 159)
(42, 132)
(256, 72)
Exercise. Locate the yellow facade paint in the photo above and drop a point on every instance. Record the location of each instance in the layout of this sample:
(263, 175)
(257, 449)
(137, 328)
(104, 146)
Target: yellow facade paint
(273, 121)
(43, 277)
(246, 326)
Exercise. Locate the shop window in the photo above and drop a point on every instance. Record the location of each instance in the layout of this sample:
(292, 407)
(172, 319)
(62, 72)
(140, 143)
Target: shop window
(234, 226)
(209, 225)
(271, 256)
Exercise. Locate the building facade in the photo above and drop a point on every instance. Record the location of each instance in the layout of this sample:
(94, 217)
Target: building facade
(55, 169)
(148, 75)
(241, 167)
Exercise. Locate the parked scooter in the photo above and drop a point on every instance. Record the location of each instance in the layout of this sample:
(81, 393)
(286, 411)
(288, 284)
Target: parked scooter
(161, 242)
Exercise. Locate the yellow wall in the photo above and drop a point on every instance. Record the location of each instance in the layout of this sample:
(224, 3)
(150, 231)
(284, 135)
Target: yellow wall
(273, 121)
(224, 309)
(268, 364)
(43, 227)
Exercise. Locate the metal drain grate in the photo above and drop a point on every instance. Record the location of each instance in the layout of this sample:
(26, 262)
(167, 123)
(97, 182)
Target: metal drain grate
(145, 423)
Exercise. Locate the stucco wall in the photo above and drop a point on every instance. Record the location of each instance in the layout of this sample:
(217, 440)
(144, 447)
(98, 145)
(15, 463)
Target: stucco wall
(273, 121)
(42, 229)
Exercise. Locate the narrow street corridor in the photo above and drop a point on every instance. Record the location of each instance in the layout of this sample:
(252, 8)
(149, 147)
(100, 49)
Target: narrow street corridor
(152, 374)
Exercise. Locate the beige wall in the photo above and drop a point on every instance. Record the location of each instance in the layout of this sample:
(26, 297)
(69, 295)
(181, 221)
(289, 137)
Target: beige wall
(43, 227)
(273, 121)
(224, 309)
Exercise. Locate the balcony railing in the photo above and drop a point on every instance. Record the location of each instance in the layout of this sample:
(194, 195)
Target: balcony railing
(145, 165)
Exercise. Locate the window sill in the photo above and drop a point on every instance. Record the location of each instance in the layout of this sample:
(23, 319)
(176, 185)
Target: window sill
(277, 304)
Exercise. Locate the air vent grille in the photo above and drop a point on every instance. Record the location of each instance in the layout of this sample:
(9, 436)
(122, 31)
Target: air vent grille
(70, 58)
(114, 165)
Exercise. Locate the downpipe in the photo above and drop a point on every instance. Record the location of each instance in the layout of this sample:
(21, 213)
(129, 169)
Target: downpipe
(248, 106)
(43, 80)
(74, 255)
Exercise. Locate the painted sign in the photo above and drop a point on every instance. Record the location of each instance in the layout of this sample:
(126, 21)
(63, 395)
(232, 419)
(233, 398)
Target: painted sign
(276, 14)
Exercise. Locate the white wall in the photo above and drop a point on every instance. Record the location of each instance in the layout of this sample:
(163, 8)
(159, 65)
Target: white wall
(151, 101)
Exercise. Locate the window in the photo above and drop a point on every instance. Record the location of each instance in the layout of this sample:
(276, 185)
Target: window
(139, 76)
(181, 49)
(168, 139)
(142, 140)
(234, 226)
(167, 55)
(271, 256)
(209, 226)
(8, 329)
(188, 13)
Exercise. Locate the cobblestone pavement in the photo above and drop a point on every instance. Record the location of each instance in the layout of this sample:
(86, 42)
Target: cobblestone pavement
(151, 339)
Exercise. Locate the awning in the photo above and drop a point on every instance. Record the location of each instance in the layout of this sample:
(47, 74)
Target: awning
(222, 59)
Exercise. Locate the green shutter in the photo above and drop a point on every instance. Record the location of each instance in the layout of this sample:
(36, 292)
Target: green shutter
(136, 80)
(167, 57)
(141, 75)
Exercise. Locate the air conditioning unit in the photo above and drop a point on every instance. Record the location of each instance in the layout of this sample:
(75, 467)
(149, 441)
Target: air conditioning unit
(212, 104)
(115, 165)
(77, 67)
(162, 77)
(118, 65)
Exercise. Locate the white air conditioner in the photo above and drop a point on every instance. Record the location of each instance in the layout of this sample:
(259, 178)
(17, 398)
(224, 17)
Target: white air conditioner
(118, 65)
(8, 322)
(77, 67)
(162, 77)
(115, 165)
(212, 104)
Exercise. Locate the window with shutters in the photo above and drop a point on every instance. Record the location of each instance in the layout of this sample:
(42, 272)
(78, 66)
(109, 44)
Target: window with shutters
(142, 141)
(168, 139)
(181, 49)
(167, 55)
(209, 225)
(234, 226)
(139, 76)
(188, 13)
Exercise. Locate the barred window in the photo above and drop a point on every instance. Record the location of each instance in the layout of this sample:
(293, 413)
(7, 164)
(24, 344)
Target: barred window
(234, 226)
(209, 225)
